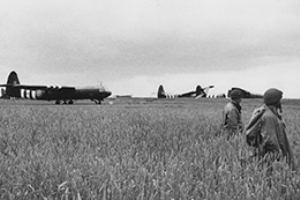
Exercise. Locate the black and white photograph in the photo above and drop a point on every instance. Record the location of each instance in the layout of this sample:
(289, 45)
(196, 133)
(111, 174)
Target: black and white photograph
(149, 99)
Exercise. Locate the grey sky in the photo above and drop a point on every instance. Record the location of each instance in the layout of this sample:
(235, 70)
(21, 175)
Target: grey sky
(120, 42)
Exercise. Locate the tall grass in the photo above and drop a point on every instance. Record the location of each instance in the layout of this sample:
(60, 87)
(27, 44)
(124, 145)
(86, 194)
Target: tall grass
(159, 150)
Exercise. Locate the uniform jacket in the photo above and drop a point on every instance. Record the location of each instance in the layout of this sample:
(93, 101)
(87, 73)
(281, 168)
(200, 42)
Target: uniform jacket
(232, 119)
(274, 138)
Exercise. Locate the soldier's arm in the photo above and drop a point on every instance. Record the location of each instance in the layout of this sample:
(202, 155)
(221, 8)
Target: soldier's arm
(289, 152)
(268, 133)
(233, 117)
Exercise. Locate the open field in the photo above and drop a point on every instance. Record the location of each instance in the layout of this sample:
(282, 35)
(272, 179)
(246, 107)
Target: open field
(135, 149)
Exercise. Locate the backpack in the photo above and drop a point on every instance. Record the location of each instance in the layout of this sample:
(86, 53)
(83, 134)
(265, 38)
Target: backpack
(253, 129)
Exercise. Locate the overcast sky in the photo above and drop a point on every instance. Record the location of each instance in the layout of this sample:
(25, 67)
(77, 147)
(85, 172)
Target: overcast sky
(132, 46)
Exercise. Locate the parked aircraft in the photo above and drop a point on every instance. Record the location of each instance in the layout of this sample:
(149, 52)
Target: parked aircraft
(245, 94)
(63, 94)
(198, 93)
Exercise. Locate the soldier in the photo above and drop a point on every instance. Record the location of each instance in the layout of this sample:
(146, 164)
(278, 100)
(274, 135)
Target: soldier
(232, 122)
(266, 131)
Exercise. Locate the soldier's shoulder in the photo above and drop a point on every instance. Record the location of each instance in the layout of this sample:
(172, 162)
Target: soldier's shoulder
(268, 114)
(260, 110)
(258, 113)
(229, 106)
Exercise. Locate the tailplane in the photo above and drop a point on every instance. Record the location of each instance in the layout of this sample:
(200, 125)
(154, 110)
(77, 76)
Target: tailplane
(13, 79)
(200, 91)
(161, 92)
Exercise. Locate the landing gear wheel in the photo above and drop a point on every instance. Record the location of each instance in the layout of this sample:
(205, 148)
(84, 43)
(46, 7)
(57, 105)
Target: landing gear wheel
(70, 102)
(97, 101)
(57, 102)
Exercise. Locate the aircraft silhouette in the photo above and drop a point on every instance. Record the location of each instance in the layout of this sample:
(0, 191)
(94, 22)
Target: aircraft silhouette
(245, 94)
(63, 94)
(198, 93)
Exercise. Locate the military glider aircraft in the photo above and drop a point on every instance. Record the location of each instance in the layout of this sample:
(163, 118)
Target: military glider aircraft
(198, 93)
(63, 94)
(245, 94)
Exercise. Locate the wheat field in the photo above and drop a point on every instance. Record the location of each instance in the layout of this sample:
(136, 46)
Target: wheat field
(136, 149)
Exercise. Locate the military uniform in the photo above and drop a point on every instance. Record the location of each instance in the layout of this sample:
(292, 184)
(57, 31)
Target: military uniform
(232, 117)
(270, 139)
(232, 120)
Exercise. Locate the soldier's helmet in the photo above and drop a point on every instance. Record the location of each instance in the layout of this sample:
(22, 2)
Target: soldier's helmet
(236, 94)
(272, 96)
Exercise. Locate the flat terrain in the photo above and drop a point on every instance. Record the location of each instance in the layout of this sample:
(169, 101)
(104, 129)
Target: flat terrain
(135, 149)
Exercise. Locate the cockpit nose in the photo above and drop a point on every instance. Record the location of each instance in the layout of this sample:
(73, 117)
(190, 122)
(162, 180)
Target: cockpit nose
(107, 93)
(104, 92)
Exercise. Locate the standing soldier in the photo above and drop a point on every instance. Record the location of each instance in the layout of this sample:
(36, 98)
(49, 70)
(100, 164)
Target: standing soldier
(232, 121)
(266, 131)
